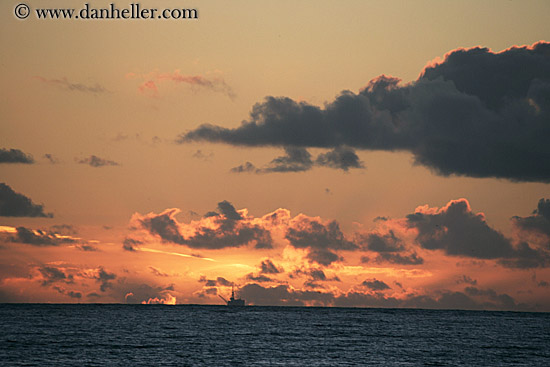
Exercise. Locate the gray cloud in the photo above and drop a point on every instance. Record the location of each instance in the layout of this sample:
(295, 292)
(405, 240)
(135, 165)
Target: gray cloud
(458, 231)
(71, 294)
(64, 83)
(95, 161)
(39, 237)
(268, 267)
(295, 160)
(54, 275)
(51, 158)
(466, 279)
(342, 158)
(13, 204)
(298, 159)
(219, 281)
(15, 156)
(396, 258)
(538, 222)
(283, 295)
(129, 244)
(383, 243)
(319, 239)
(476, 113)
(232, 231)
(104, 278)
(375, 285)
(260, 278)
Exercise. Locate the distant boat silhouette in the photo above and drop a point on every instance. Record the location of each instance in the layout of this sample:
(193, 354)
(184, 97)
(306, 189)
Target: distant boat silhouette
(233, 302)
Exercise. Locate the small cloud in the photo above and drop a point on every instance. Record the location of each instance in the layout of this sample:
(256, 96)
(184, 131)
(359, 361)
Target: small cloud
(51, 158)
(375, 285)
(95, 161)
(15, 156)
(157, 272)
(199, 154)
(245, 168)
(342, 158)
(65, 84)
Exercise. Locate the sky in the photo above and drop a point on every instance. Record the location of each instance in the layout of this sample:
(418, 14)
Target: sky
(327, 153)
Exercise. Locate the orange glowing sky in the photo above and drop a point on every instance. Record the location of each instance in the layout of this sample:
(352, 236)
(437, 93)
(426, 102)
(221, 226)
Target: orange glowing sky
(159, 170)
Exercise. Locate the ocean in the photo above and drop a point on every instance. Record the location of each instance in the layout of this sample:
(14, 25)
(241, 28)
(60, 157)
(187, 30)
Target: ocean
(186, 335)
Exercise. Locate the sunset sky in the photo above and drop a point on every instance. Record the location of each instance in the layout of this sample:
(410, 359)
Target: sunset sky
(327, 153)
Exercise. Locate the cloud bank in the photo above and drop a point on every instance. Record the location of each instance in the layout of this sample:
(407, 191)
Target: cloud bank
(476, 113)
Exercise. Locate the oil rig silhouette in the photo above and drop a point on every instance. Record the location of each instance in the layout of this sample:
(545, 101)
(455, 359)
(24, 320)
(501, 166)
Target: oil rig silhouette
(233, 302)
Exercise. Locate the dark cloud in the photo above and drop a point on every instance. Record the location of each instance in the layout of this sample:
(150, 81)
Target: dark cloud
(15, 156)
(71, 294)
(260, 278)
(87, 248)
(104, 278)
(342, 158)
(298, 159)
(476, 113)
(39, 237)
(65, 84)
(219, 281)
(268, 267)
(246, 167)
(53, 275)
(95, 161)
(157, 272)
(284, 295)
(231, 230)
(295, 160)
(396, 258)
(458, 231)
(199, 154)
(228, 210)
(375, 285)
(13, 204)
(466, 279)
(129, 244)
(538, 222)
(495, 300)
(320, 239)
(64, 229)
(51, 158)
(383, 243)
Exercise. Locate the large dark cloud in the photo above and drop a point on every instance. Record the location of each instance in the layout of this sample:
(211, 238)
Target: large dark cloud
(458, 231)
(320, 239)
(14, 156)
(476, 113)
(230, 231)
(13, 204)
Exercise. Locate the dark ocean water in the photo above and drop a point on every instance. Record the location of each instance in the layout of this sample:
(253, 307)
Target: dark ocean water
(127, 335)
